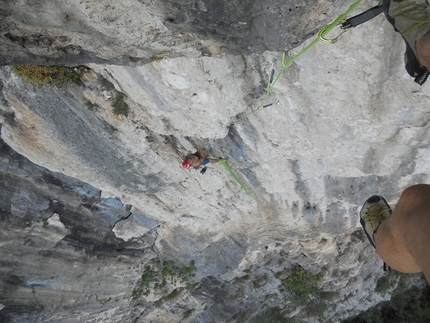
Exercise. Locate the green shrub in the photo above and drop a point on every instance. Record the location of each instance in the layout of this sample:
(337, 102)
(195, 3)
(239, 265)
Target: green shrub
(187, 314)
(47, 75)
(158, 281)
(315, 309)
(383, 284)
(92, 106)
(410, 306)
(147, 277)
(137, 293)
(273, 315)
(301, 284)
(119, 107)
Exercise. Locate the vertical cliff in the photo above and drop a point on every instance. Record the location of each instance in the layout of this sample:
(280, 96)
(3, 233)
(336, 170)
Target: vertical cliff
(101, 223)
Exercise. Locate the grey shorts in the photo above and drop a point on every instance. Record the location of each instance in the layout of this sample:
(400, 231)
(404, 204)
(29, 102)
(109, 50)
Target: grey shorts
(411, 18)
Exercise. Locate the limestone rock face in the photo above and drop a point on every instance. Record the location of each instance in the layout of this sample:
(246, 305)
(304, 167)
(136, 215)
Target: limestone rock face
(55, 231)
(136, 32)
(94, 205)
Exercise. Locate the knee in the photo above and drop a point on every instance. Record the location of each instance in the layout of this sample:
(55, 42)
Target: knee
(415, 196)
(422, 46)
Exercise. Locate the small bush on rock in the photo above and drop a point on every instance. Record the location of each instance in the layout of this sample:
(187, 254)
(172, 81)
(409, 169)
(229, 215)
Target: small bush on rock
(301, 283)
(119, 107)
(47, 75)
(152, 280)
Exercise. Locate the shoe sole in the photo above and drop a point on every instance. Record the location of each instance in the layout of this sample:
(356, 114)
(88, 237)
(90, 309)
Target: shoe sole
(372, 200)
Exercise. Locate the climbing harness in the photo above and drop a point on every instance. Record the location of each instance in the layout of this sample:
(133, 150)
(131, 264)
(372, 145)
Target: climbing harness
(345, 25)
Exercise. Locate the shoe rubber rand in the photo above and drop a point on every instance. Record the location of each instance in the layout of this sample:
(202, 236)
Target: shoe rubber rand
(374, 211)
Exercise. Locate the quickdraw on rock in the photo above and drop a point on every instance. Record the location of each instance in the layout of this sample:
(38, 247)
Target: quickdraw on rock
(322, 34)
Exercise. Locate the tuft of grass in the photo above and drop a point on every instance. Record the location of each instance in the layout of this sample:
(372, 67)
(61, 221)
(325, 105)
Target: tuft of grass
(151, 280)
(147, 276)
(411, 305)
(187, 314)
(158, 58)
(316, 309)
(173, 294)
(301, 284)
(181, 274)
(137, 293)
(119, 107)
(47, 75)
(383, 284)
(92, 106)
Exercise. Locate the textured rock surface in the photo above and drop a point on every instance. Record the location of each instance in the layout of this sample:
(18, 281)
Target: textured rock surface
(55, 231)
(135, 32)
(350, 123)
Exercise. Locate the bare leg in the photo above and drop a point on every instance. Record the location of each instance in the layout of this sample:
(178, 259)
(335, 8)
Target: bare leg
(422, 46)
(403, 240)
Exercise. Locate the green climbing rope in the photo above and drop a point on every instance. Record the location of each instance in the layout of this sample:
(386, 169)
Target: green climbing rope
(232, 173)
(321, 37)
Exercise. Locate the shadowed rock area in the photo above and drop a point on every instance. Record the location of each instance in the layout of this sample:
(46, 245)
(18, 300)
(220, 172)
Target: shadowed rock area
(136, 32)
(99, 221)
(54, 231)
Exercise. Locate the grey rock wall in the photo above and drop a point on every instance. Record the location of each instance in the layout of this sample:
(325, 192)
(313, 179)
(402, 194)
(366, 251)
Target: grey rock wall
(61, 262)
(136, 32)
(99, 197)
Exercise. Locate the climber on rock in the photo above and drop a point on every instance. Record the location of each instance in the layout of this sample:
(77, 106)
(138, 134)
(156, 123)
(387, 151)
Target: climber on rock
(198, 159)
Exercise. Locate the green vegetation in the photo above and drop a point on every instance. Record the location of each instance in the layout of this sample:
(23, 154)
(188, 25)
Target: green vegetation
(383, 284)
(152, 280)
(62, 75)
(173, 294)
(302, 284)
(92, 106)
(412, 305)
(187, 314)
(168, 297)
(47, 75)
(119, 107)
(147, 277)
(137, 293)
(316, 309)
(158, 58)
(181, 274)
(273, 315)
(306, 290)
